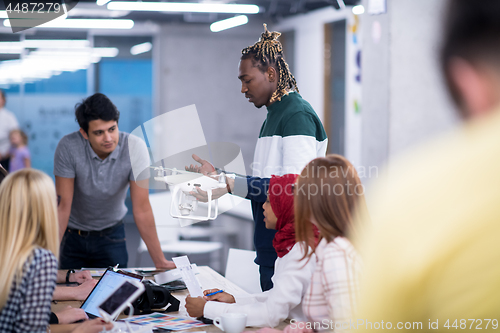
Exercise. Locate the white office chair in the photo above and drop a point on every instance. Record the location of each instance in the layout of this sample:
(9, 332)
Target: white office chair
(168, 230)
(243, 271)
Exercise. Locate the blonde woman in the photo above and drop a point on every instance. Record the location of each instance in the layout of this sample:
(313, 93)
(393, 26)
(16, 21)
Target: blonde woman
(28, 250)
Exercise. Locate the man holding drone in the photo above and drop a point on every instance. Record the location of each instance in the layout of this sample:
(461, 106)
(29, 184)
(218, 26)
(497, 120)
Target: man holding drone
(93, 174)
(290, 137)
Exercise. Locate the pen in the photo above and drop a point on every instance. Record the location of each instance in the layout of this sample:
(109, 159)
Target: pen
(218, 291)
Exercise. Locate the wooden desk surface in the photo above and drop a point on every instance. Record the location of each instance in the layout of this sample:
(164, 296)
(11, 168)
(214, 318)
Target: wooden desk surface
(208, 279)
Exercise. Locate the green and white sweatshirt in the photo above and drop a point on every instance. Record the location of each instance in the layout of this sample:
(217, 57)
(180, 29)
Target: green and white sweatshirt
(292, 135)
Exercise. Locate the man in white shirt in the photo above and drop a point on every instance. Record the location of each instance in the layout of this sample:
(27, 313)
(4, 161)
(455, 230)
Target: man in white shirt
(8, 122)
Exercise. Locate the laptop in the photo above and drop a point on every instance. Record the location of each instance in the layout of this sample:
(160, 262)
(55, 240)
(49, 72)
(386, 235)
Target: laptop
(105, 287)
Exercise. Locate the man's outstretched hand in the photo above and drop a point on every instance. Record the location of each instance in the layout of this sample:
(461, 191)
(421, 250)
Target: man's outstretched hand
(203, 195)
(206, 168)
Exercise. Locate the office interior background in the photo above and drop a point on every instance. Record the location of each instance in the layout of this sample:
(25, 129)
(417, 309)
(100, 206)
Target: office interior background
(369, 68)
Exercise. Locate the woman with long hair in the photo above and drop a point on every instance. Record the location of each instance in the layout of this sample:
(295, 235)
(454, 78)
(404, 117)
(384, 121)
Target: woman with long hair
(28, 250)
(291, 278)
(329, 195)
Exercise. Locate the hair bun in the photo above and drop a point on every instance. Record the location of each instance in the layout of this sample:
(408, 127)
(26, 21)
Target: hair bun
(269, 36)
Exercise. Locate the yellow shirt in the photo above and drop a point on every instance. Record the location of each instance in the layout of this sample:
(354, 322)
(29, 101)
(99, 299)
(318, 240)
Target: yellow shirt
(433, 252)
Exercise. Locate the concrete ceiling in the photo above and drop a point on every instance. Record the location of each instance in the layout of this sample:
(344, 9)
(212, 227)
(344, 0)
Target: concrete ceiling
(271, 10)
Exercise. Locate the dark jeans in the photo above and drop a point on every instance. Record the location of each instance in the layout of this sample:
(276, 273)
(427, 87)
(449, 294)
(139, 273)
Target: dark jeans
(266, 273)
(98, 249)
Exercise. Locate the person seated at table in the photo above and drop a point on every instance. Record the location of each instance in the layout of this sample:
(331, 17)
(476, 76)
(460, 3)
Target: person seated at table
(29, 245)
(28, 250)
(69, 314)
(62, 293)
(74, 293)
(66, 293)
(330, 300)
(291, 277)
(83, 278)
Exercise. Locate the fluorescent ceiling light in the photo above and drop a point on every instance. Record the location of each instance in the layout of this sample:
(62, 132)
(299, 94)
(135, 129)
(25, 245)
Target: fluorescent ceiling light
(55, 43)
(44, 63)
(95, 59)
(3, 14)
(358, 10)
(82, 24)
(57, 47)
(102, 2)
(34, 67)
(228, 23)
(184, 7)
(18, 47)
(141, 48)
(107, 52)
(97, 12)
(10, 51)
(49, 56)
(11, 48)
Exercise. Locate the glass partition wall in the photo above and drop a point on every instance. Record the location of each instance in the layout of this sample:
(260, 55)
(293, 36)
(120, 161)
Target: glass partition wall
(45, 74)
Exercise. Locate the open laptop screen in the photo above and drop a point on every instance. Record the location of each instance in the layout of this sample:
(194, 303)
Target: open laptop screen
(109, 281)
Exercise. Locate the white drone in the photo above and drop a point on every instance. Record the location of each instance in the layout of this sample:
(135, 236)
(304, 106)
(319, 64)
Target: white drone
(184, 182)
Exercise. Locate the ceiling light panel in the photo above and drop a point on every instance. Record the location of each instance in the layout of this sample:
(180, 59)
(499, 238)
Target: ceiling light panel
(183, 7)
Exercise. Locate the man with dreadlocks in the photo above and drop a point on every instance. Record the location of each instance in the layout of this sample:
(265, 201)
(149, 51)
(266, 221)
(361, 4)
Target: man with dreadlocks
(291, 136)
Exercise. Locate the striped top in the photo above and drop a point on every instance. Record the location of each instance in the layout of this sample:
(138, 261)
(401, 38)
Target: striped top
(335, 282)
(290, 137)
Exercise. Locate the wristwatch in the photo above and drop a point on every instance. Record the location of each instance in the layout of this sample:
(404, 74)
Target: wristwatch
(67, 275)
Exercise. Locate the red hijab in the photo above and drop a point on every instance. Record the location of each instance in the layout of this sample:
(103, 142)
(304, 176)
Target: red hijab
(281, 199)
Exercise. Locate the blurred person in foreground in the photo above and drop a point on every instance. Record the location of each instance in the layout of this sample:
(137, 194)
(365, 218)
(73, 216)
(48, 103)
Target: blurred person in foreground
(431, 258)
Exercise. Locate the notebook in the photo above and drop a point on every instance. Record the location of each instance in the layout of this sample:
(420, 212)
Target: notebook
(108, 282)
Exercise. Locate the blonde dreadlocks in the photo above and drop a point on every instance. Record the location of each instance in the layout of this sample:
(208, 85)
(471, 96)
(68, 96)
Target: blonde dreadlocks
(269, 52)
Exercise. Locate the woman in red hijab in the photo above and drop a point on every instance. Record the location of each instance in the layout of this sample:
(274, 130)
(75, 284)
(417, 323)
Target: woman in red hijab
(291, 278)
(279, 213)
(329, 195)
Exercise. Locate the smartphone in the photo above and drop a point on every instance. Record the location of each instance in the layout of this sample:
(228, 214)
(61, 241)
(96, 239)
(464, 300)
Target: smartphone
(121, 298)
(175, 285)
(150, 272)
